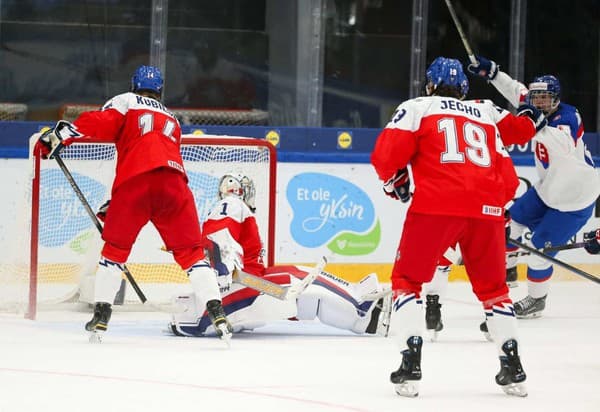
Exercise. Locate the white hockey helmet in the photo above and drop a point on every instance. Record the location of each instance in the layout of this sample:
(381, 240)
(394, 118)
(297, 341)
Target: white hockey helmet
(237, 184)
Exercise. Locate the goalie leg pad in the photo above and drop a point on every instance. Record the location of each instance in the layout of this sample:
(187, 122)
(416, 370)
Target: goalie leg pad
(204, 282)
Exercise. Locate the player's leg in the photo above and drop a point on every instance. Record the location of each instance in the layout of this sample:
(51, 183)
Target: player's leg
(435, 292)
(127, 214)
(175, 217)
(418, 254)
(342, 304)
(482, 246)
(526, 213)
(555, 228)
(246, 309)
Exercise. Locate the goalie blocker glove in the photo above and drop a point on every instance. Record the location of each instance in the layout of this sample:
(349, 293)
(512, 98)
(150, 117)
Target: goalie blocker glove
(488, 69)
(535, 114)
(592, 242)
(397, 187)
(52, 141)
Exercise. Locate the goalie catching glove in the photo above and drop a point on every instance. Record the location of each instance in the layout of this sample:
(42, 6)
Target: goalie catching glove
(592, 242)
(52, 141)
(397, 187)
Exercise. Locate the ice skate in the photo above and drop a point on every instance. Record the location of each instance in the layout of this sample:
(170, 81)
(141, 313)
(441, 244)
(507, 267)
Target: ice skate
(99, 323)
(530, 307)
(484, 329)
(380, 317)
(512, 277)
(406, 378)
(217, 316)
(433, 316)
(511, 376)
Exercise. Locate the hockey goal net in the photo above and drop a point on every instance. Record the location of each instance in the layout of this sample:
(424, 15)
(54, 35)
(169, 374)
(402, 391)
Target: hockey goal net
(13, 111)
(63, 248)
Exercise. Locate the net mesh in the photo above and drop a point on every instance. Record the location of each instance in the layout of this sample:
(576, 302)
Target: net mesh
(68, 243)
(190, 116)
(13, 111)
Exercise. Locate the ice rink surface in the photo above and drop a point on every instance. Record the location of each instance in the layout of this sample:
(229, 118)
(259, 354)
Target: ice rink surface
(48, 364)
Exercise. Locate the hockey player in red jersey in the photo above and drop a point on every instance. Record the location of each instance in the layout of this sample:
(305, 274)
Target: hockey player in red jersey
(233, 236)
(463, 178)
(150, 185)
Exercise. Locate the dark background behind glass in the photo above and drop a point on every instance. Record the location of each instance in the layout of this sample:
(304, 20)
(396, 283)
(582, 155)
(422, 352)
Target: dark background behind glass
(56, 52)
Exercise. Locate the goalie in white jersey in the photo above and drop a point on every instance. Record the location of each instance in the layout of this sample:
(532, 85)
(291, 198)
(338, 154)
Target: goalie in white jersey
(233, 237)
(562, 201)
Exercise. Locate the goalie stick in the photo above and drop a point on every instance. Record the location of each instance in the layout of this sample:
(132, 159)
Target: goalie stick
(560, 263)
(96, 222)
(275, 290)
(231, 249)
(461, 33)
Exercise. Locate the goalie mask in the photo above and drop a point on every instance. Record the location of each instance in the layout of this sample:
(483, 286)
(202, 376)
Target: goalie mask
(236, 184)
(544, 93)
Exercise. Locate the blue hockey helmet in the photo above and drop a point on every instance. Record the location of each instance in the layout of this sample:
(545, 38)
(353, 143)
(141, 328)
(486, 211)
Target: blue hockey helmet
(147, 78)
(544, 93)
(449, 72)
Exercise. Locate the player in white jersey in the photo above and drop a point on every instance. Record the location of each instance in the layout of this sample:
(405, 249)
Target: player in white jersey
(233, 238)
(562, 200)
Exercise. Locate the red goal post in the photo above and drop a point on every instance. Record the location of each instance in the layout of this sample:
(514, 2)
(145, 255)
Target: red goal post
(65, 245)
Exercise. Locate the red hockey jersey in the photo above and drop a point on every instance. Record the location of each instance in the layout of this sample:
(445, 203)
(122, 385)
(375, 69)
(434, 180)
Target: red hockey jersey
(455, 149)
(146, 134)
(233, 214)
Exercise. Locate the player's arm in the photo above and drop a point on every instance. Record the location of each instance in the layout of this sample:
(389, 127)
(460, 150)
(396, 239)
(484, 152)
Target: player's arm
(106, 123)
(512, 90)
(521, 128)
(393, 150)
(52, 141)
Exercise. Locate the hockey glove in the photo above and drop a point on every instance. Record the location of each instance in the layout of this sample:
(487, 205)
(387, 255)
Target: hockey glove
(535, 114)
(397, 187)
(54, 140)
(592, 242)
(488, 69)
(101, 214)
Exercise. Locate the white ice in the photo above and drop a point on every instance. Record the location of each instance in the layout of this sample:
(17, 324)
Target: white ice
(48, 364)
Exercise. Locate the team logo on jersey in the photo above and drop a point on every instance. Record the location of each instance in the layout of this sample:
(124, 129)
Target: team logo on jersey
(332, 211)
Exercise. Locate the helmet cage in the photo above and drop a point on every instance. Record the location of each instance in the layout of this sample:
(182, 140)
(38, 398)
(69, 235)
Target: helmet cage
(236, 184)
(544, 93)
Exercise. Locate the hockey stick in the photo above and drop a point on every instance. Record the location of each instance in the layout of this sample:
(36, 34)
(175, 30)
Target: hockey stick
(560, 263)
(275, 290)
(550, 249)
(95, 220)
(461, 33)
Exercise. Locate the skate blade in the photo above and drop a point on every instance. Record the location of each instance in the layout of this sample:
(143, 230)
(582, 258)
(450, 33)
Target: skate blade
(432, 334)
(224, 334)
(515, 389)
(408, 389)
(488, 336)
(95, 337)
(530, 316)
